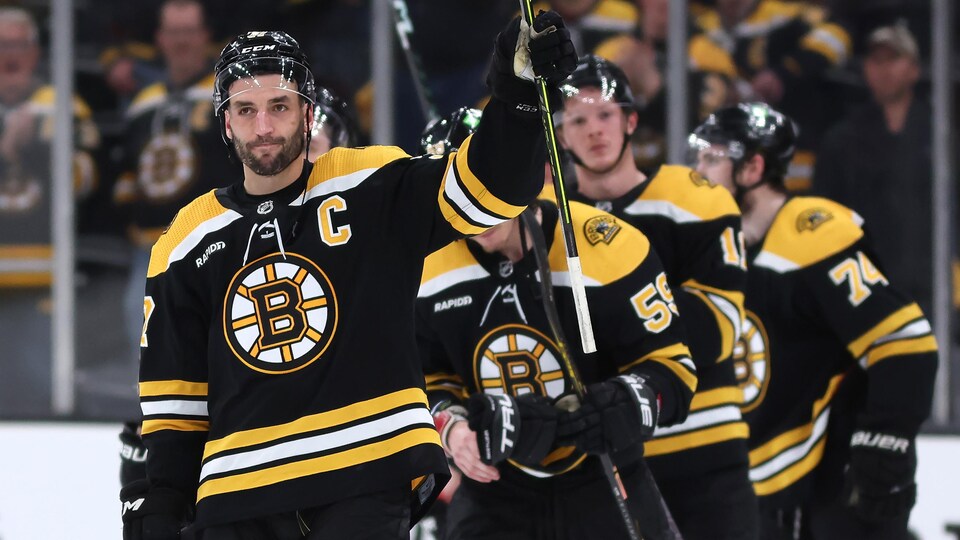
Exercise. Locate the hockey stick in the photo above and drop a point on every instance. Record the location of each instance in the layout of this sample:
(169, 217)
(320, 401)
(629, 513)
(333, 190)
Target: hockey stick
(404, 26)
(541, 254)
(566, 225)
(662, 522)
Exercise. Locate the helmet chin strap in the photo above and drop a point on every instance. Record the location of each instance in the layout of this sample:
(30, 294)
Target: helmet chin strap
(623, 148)
(739, 192)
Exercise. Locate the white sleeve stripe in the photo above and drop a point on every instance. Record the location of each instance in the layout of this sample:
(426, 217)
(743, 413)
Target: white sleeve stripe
(701, 419)
(336, 184)
(642, 207)
(775, 262)
(174, 406)
(451, 278)
(792, 455)
(198, 233)
(455, 193)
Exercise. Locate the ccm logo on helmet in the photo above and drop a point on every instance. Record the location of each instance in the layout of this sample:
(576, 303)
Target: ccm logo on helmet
(256, 48)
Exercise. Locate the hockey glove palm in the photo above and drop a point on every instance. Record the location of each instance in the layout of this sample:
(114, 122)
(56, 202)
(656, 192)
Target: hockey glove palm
(521, 53)
(881, 476)
(614, 415)
(522, 428)
(156, 514)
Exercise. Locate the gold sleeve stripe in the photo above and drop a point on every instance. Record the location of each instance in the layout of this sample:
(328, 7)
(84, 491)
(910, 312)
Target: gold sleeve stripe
(490, 202)
(318, 421)
(331, 462)
(796, 436)
(152, 426)
(704, 437)
(902, 347)
(894, 321)
(172, 388)
(195, 221)
(449, 213)
(675, 358)
(729, 395)
(791, 474)
(442, 377)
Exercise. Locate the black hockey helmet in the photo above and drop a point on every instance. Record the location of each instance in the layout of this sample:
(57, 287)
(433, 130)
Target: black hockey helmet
(253, 54)
(445, 135)
(332, 115)
(747, 129)
(595, 72)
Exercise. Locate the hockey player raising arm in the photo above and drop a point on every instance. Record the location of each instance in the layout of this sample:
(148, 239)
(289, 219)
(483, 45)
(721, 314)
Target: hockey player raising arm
(837, 366)
(279, 379)
(494, 371)
(700, 465)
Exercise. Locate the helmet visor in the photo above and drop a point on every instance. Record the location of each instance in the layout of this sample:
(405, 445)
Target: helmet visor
(598, 91)
(709, 150)
(263, 72)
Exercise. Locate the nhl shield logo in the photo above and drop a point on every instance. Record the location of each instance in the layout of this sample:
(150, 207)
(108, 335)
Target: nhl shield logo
(265, 207)
(601, 229)
(279, 314)
(506, 269)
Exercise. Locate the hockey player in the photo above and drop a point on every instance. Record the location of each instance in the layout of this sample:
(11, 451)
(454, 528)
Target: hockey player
(488, 350)
(837, 367)
(333, 125)
(281, 392)
(701, 464)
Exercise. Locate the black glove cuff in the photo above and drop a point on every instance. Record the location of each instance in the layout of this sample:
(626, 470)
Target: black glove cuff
(140, 500)
(520, 95)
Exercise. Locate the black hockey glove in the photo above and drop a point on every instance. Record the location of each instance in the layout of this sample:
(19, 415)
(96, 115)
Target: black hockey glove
(133, 455)
(614, 415)
(156, 514)
(521, 54)
(880, 480)
(521, 428)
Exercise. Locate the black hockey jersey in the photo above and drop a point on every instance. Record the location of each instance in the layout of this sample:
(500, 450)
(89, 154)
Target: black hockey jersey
(817, 307)
(694, 227)
(173, 153)
(482, 327)
(279, 368)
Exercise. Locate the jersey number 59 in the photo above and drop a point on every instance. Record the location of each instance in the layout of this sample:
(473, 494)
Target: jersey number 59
(654, 305)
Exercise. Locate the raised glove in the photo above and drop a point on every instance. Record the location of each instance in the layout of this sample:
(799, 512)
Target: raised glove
(133, 455)
(521, 54)
(880, 480)
(152, 514)
(614, 415)
(521, 428)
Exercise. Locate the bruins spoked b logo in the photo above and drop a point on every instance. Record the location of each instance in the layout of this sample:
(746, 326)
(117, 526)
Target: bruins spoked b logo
(279, 314)
(516, 359)
(751, 362)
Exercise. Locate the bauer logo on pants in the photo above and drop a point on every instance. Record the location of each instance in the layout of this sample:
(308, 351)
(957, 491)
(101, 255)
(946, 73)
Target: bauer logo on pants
(279, 314)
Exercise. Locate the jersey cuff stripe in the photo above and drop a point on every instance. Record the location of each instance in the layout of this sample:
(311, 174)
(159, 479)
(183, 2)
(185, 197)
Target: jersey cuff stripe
(892, 323)
(487, 200)
(797, 471)
(786, 458)
(927, 344)
(701, 419)
(169, 424)
(686, 373)
(696, 439)
(172, 388)
(453, 217)
(341, 460)
(174, 406)
(465, 203)
(729, 395)
(790, 439)
(324, 420)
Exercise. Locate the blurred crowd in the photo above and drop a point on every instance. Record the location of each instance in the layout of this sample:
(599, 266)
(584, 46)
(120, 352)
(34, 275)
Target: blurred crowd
(852, 73)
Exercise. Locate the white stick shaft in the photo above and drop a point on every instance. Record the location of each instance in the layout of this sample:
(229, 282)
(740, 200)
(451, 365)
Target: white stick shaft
(580, 301)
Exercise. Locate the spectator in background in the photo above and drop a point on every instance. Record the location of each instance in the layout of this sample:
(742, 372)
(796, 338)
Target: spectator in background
(877, 160)
(782, 50)
(643, 57)
(26, 134)
(172, 147)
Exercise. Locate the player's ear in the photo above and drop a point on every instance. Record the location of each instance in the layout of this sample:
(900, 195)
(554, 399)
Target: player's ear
(226, 124)
(632, 120)
(751, 173)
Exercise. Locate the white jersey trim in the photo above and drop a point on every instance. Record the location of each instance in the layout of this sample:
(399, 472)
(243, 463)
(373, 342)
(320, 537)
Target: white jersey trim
(642, 207)
(451, 187)
(451, 278)
(198, 233)
(788, 457)
(174, 406)
(701, 419)
(335, 185)
(775, 262)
